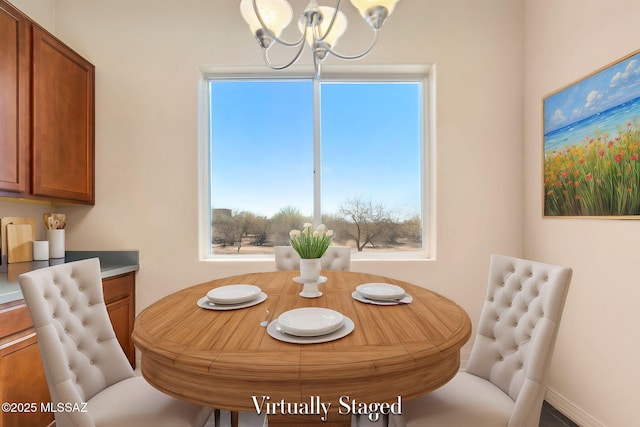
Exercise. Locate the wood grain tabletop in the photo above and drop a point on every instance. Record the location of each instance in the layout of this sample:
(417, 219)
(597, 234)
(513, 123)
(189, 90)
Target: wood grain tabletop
(226, 360)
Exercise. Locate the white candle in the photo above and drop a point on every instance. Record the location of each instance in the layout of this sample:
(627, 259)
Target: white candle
(40, 250)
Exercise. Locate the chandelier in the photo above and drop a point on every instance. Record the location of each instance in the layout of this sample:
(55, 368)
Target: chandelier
(320, 27)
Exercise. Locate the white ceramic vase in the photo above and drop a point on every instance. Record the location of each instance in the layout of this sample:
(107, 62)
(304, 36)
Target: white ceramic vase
(310, 269)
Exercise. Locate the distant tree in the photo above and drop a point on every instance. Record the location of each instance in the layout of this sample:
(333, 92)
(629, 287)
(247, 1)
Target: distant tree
(369, 220)
(225, 229)
(340, 227)
(392, 234)
(231, 228)
(255, 227)
(403, 231)
(287, 219)
(412, 229)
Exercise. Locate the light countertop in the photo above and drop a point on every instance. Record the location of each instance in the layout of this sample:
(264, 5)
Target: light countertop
(112, 263)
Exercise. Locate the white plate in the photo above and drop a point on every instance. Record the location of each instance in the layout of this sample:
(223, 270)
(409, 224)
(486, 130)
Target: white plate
(380, 291)
(407, 299)
(275, 330)
(233, 294)
(205, 303)
(299, 279)
(310, 321)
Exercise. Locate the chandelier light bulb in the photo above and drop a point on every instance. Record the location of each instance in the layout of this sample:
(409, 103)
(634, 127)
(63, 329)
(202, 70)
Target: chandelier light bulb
(375, 12)
(320, 27)
(276, 15)
(364, 5)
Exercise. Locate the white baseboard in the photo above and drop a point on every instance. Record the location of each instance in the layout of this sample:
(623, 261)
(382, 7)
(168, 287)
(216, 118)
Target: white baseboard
(565, 406)
(570, 410)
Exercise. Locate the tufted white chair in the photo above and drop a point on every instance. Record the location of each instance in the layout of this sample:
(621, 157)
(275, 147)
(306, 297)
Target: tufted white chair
(335, 258)
(286, 258)
(82, 359)
(505, 380)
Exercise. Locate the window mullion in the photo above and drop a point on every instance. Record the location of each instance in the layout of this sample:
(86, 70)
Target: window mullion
(317, 154)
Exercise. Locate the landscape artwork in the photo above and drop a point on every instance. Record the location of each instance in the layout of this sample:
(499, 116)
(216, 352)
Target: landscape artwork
(592, 144)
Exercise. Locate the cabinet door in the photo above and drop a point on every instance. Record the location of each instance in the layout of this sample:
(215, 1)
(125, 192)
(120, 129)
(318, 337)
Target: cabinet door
(119, 296)
(14, 98)
(62, 120)
(22, 378)
(120, 315)
(23, 381)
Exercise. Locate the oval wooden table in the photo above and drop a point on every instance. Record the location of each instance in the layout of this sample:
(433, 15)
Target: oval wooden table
(222, 359)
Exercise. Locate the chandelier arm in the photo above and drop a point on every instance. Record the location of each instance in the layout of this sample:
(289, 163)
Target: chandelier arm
(270, 33)
(358, 56)
(317, 35)
(282, 67)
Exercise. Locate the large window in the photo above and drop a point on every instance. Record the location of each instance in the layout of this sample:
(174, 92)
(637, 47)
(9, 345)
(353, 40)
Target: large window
(347, 153)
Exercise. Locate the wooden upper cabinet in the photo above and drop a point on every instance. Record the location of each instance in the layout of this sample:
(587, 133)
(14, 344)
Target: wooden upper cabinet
(14, 98)
(62, 146)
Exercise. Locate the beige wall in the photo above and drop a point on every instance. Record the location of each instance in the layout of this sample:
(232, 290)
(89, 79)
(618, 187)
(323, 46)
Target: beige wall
(596, 360)
(41, 11)
(147, 55)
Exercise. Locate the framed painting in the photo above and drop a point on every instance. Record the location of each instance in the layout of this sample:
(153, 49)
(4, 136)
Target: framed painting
(591, 159)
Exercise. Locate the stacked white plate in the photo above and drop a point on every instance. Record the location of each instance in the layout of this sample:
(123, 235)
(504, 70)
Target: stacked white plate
(310, 325)
(381, 294)
(310, 321)
(230, 297)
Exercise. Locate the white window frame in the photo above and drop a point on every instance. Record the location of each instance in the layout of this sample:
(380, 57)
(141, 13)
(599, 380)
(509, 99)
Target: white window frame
(423, 73)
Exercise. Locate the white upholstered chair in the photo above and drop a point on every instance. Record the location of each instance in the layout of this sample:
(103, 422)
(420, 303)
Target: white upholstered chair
(286, 258)
(335, 258)
(506, 377)
(82, 359)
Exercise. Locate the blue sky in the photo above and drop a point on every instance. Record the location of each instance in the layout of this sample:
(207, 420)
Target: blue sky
(262, 145)
(597, 93)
